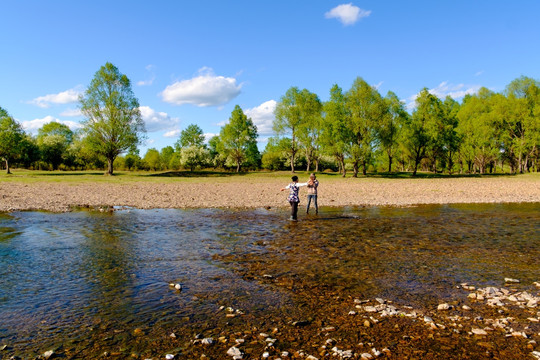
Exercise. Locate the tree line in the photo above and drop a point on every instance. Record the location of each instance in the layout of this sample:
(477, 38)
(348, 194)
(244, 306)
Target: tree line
(355, 130)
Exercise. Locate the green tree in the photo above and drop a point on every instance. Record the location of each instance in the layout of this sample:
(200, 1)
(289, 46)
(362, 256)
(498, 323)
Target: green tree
(113, 121)
(11, 136)
(194, 156)
(421, 126)
(53, 140)
(288, 118)
(217, 157)
(239, 138)
(275, 153)
(522, 125)
(190, 136)
(450, 138)
(336, 136)
(366, 108)
(310, 127)
(166, 155)
(477, 128)
(152, 159)
(390, 126)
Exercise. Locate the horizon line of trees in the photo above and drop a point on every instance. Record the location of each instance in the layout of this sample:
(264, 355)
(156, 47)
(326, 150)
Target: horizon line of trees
(355, 130)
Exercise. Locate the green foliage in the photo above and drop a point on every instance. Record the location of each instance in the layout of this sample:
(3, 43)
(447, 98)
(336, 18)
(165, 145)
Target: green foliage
(53, 140)
(422, 127)
(238, 139)
(366, 109)
(336, 136)
(190, 136)
(113, 121)
(275, 154)
(194, 156)
(11, 137)
(390, 126)
(152, 159)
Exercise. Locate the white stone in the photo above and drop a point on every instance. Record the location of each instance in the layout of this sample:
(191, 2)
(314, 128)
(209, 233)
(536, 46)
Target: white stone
(443, 307)
(234, 352)
(48, 354)
(370, 309)
(178, 287)
(285, 353)
(479, 331)
(207, 341)
(266, 355)
(366, 356)
(510, 280)
(376, 352)
(169, 356)
(428, 319)
(352, 312)
(311, 357)
(466, 308)
(536, 354)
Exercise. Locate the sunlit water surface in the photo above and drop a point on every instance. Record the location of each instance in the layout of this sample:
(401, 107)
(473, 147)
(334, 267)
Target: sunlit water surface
(63, 274)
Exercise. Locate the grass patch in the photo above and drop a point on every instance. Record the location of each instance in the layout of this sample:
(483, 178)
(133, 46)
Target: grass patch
(208, 176)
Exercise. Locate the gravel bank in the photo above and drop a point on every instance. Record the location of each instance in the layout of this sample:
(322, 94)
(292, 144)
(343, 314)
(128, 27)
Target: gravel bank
(239, 193)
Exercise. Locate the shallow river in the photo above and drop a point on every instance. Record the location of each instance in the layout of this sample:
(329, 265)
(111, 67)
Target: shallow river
(87, 282)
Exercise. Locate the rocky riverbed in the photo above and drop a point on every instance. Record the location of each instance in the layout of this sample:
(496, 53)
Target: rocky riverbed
(264, 192)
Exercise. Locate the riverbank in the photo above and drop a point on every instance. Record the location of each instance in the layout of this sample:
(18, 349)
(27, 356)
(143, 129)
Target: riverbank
(62, 193)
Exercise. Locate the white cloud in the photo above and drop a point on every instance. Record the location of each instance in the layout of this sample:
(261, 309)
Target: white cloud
(206, 89)
(64, 97)
(263, 117)
(172, 134)
(445, 89)
(347, 14)
(150, 81)
(71, 112)
(158, 121)
(33, 125)
(478, 73)
(208, 136)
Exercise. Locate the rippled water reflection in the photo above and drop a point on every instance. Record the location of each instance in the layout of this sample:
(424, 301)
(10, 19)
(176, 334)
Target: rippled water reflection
(77, 279)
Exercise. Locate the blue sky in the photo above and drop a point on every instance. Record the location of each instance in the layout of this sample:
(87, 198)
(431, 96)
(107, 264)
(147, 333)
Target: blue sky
(191, 62)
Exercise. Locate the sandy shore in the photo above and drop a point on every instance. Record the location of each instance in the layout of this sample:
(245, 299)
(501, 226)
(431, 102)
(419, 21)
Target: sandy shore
(256, 193)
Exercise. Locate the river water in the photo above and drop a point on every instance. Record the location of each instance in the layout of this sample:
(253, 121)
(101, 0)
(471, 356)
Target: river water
(87, 282)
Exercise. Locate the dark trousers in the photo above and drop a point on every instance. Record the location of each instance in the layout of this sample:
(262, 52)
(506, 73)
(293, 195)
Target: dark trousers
(314, 197)
(294, 210)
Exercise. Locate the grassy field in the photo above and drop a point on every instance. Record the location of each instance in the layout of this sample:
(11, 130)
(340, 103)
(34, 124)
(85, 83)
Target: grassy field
(81, 177)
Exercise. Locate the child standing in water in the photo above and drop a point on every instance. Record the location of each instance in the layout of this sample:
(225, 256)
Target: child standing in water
(293, 198)
(312, 185)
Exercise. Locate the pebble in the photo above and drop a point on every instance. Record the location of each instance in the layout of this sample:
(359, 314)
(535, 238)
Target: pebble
(510, 280)
(366, 356)
(169, 356)
(479, 332)
(444, 307)
(234, 352)
(207, 341)
(48, 354)
(178, 287)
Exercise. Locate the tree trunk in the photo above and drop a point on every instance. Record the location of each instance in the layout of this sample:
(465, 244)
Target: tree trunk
(110, 166)
(308, 163)
(238, 166)
(389, 163)
(7, 167)
(342, 164)
(364, 168)
(355, 169)
(317, 165)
